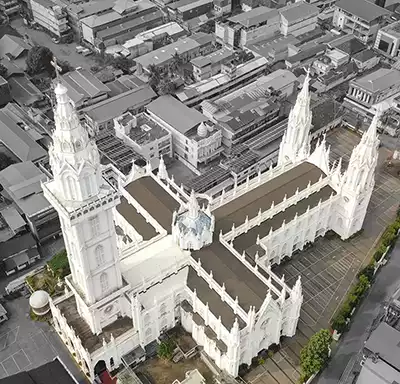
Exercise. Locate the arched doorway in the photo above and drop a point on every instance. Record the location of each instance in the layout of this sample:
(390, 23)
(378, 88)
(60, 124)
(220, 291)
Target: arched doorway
(100, 367)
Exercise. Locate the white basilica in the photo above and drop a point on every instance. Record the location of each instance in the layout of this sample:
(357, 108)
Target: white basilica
(145, 256)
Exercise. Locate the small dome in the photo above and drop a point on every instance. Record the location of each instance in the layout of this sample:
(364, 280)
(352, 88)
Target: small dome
(202, 130)
(39, 299)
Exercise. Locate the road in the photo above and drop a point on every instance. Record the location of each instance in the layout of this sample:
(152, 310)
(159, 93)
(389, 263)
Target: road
(346, 358)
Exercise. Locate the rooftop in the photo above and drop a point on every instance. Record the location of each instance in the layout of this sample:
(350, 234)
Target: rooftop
(23, 91)
(162, 55)
(365, 55)
(392, 29)
(187, 6)
(213, 58)
(377, 371)
(82, 84)
(349, 46)
(146, 130)
(16, 245)
(385, 343)
(176, 114)
(99, 20)
(272, 45)
(17, 140)
(53, 372)
(379, 80)
(89, 340)
(221, 79)
(171, 29)
(299, 11)
(136, 23)
(113, 150)
(254, 17)
(204, 182)
(307, 54)
(12, 46)
(363, 9)
(22, 182)
(154, 199)
(129, 213)
(115, 106)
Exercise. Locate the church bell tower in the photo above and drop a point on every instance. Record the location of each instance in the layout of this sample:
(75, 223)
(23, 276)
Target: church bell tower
(355, 186)
(84, 202)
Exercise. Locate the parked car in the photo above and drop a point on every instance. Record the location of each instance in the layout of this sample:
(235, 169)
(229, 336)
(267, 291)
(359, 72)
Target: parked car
(87, 52)
(79, 48)
(55, 41)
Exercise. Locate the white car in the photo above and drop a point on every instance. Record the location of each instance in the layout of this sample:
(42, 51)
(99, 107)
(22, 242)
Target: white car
(87, 52)
(79, 49)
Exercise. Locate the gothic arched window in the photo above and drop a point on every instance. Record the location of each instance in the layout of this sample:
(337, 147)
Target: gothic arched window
(87, 186)
(71, 187)
(99, 255)
(104, 282)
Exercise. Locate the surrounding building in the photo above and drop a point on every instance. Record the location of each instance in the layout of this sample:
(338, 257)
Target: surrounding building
(5, 92)
(373, 88)
(187, 48)
(147, 137)
(195, 139)
(54, 372)
(18, 253)
(263, 22)
(152, 39)
(230, 79)
(207, 66)
(361, 18)
(380, 359)
(183, 10)
(15, 139)
(254, 108)
(117, 25)
(101, 115)
(13, 47)
(199, 267)
(84, 88)
(21, 184)
(52, 16)
(388, 40)
(192, 377)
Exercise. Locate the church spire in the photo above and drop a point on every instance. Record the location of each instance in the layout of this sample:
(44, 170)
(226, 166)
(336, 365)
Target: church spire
(295, 144)
(74, 158)
(361, 170)
(193, 205)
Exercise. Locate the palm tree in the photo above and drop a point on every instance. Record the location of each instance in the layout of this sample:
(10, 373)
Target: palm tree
(176, 63)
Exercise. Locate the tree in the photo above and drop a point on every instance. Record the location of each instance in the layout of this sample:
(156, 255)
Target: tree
(154, 76)
(166, 86)
(5, 161)
(165, 350)
(122, 63)
(175, 65)
(3, 70)
(39, 59)
(315, 354)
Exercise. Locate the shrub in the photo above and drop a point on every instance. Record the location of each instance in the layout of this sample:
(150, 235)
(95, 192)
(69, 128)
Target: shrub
(59, 264)
(339, 323)
(165, 349)
(315, 353)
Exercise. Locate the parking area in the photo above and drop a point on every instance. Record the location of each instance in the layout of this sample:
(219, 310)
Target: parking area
(26, 344)
(329, 267)
(64, 52)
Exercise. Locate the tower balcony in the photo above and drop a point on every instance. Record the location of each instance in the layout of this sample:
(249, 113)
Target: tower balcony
(77, 211)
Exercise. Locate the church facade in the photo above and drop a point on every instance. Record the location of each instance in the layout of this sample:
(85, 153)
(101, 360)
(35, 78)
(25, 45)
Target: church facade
(146, 255)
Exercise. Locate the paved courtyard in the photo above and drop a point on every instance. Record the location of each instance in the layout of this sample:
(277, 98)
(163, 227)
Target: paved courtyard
(329, 267)
(26, 344)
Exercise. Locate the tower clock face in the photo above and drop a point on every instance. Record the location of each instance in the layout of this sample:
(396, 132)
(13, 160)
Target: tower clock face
(108, 309)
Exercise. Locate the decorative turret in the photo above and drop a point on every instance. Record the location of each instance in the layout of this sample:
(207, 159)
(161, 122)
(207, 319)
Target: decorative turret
(193, 227)
(74, 158)
(295, 145)
(162, 170)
